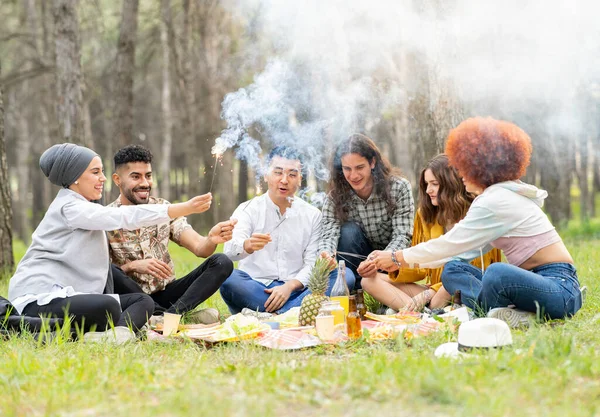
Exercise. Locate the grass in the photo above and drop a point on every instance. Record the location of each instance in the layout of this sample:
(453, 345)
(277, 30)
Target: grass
(552, 370)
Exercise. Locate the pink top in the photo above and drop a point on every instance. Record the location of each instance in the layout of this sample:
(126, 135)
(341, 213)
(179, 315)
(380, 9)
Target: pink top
(518, 249)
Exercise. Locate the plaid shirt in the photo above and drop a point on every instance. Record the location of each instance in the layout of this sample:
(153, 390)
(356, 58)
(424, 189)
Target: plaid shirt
(146, 243)
(384, 232)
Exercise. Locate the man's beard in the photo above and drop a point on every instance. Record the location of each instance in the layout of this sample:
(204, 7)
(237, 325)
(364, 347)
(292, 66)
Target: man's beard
(130, 195)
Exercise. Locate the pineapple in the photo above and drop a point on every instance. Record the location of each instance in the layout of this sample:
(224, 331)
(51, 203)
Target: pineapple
(317, 284)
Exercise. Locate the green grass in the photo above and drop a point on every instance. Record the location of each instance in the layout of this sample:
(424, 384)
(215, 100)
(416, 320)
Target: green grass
(552, 370)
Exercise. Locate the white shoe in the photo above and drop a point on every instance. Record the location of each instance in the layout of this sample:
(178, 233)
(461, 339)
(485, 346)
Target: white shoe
(204, 316)
(258, 314)
(390, 311)
(118, 336)
(583, 293)
(512, 316)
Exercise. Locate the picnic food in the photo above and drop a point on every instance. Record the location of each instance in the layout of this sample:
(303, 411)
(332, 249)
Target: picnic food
(381, 333)
(239, 326)
(317, 284)
(402, 317)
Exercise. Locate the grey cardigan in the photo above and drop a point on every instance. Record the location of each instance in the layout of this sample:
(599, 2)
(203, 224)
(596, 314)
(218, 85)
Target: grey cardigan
(69, 247)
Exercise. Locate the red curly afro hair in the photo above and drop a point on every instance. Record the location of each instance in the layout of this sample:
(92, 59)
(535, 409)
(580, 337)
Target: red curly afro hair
(486, 151)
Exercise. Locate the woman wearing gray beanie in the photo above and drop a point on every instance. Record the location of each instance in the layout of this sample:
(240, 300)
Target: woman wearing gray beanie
(66, 267)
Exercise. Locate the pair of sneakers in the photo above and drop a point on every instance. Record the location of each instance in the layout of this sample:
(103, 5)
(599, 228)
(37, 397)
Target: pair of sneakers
(519, 318)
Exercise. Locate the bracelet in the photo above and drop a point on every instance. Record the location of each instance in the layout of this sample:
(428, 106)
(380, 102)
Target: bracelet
(398, 264)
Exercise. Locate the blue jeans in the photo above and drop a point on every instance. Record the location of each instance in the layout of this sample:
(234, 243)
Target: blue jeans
(553, 287)
(353, 240)
(240, 291)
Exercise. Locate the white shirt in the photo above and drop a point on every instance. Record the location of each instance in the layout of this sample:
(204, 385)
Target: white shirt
(293, 250)
(505, 209)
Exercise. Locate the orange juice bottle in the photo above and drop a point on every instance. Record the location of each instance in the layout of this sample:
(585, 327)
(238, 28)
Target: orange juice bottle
(340, 291)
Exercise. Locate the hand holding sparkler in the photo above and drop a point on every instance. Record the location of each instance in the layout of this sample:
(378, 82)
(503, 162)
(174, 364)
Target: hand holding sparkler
(222, 232)
(367, 269)
(198, 204)
(256, 242)
(331, 259)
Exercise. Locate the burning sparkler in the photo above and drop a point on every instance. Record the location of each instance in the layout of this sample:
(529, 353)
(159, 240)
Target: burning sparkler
(218, 151)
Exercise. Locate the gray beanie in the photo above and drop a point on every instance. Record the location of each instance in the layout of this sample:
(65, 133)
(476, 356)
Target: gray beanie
(64, 163)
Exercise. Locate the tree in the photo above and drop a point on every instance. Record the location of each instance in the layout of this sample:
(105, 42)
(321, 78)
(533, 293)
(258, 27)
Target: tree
(125, 69)
(68, 70)
(167, 143)
(7, 261)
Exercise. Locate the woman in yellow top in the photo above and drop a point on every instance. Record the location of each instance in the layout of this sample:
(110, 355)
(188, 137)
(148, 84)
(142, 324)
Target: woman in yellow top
(443, 202)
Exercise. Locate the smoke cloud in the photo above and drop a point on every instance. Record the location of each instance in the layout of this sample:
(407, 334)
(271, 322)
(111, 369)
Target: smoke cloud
(340, 66)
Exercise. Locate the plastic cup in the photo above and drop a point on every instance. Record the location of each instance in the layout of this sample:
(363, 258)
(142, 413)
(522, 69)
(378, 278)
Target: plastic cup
(171, 323)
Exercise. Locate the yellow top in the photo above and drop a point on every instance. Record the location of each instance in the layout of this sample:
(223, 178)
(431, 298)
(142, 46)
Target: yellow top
(422, 233)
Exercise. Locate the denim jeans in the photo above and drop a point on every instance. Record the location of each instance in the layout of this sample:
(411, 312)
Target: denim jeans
(553, 287)
(353, 240)
(240, 291)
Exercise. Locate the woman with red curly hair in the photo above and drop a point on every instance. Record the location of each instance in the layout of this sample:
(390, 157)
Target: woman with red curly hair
(491, 156)
(443, 202)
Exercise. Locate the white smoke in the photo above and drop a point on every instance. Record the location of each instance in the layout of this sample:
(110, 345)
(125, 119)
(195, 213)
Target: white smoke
(339, 66)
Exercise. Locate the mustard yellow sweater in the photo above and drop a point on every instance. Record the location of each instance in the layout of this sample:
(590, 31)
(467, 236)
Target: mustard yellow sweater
(422, 233)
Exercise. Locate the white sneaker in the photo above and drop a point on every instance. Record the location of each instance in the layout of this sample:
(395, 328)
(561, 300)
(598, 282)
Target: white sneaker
(118, 336)
(261, 315)
(583, 293)
(512, 316)
(204, 316)
(390, 311)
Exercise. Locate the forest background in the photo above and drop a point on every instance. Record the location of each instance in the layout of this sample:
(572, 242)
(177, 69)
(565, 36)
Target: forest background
(180, 76)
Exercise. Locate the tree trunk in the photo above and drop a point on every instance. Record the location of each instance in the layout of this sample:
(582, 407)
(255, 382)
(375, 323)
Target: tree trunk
(68, 70)
(7, 262)
(582, 178)
(23, 163)
(192, 161)
(595, 177)
(125, 71)
(555, 176)
(167, 143)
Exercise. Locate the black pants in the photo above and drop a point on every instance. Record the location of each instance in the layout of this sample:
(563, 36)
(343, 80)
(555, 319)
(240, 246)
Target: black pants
(98, 310)
(184, 294)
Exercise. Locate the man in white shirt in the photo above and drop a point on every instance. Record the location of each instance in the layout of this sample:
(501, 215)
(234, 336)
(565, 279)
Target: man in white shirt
(275, 241)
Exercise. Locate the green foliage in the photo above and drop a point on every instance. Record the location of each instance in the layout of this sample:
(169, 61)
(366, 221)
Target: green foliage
(552, 370)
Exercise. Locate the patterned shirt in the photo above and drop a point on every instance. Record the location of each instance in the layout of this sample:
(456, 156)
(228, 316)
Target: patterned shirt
(384, 232)
(146, 243)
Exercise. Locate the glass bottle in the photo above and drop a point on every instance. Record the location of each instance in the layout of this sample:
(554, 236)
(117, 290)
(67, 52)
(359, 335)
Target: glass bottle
(340, 291)
(353, 324)
(360, 304)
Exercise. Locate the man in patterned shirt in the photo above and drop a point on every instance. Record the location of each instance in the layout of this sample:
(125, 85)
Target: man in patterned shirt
(143, 254)
(369, 206)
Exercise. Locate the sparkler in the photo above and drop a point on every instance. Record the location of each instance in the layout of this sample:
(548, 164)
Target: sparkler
(355, 255)
(218, 151)
(289, 212)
